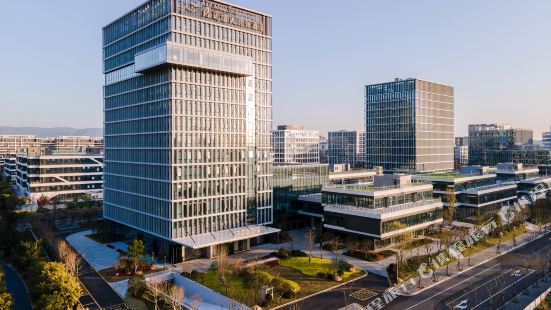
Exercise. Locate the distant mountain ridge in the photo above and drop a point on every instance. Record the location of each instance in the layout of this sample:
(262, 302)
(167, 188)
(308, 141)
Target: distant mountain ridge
(51, 132)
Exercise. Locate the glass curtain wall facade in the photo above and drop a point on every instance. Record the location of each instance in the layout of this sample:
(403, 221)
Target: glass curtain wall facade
(409, 126)
(344, 147)
(188, 115)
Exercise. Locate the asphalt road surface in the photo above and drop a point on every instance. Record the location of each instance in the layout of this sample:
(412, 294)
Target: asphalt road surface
(486, 286)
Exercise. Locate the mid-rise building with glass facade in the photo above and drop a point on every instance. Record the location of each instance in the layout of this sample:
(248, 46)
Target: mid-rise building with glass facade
(293, 145)
(409, 126)
(383, 211)
(476, 195)
(345, 147)
(491, 144)
(188, 117)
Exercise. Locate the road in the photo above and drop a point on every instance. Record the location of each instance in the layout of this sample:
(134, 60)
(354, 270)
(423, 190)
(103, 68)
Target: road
(17, 288)
(475, 288)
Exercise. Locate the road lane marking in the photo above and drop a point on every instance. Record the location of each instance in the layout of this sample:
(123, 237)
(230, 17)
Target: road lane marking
(481, 285)
(462, 305)
(503, 289)
(423, 301)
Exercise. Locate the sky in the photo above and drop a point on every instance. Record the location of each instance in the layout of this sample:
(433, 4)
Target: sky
(496, 53)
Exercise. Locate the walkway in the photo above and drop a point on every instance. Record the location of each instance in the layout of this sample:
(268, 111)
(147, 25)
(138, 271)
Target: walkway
(17, 288)
(98, 255)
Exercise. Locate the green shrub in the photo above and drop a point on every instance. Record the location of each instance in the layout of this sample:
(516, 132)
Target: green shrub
(330, 277)
(137, 286)
(322, 275)
(340, 272)
(260, 277)
(298, 253)
(287, 288)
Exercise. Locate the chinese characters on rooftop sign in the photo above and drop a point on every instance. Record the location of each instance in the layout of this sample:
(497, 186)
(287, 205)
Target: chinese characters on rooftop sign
(226, 14)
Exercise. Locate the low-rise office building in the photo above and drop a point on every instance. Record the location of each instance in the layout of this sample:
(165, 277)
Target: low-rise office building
(295, 145)
(60, 175)
(384, 211)
(476, 195)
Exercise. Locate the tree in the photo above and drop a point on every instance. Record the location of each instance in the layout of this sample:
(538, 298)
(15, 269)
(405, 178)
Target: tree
(6, 300)
(72, 259)
(42, 202)
(28, 254)
(449, 211)
(175, 297)
(58, 289)
(136, 250)
(310, 236)
(137, 285)
(335, 244)
(195, 302)
(447, 237)
(155, 287)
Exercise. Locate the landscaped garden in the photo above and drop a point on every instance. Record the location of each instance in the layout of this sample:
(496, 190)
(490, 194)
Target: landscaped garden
(295, 275)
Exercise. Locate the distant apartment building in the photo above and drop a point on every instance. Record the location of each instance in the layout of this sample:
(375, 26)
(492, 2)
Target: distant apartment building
(477, 193)
(409, 126)
(324, 150)
(382, 211)
(59, 175)
(14, 144)
(345, 147)
(188, 120)
(461, 151)
(490, 144)
(68, 143)
(293, 145)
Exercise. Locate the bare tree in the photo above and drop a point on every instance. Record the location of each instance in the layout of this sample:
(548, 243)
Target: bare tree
(310, 236)
(336, 244)
(195, 302)
(449, 211)
(155, 288)
(175, 296)
(72, 259)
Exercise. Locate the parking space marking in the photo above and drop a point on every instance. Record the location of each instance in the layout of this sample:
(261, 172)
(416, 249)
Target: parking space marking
(363, 294)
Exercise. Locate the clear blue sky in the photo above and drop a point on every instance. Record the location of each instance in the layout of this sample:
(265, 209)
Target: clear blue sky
(497, 55)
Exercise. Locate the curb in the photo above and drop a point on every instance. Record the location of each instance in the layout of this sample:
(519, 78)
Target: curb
(470, 267)
(321, 292)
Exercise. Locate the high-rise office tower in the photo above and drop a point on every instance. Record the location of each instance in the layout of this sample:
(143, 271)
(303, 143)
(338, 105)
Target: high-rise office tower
(409, 126)
(293, 145)
(188, 115)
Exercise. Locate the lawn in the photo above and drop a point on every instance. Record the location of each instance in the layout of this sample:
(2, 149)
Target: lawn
(296, 269)
(312, 269)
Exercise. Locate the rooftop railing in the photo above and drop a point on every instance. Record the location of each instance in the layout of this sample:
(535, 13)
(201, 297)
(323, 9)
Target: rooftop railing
(489, 187)
(395, 208)
(369, 187)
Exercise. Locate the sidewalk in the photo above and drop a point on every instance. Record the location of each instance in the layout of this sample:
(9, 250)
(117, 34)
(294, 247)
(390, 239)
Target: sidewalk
(476, 259)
